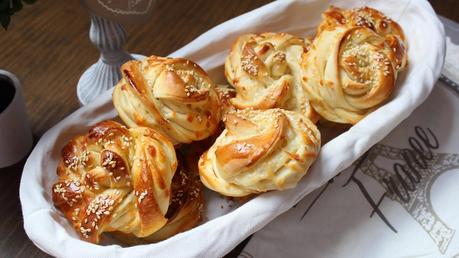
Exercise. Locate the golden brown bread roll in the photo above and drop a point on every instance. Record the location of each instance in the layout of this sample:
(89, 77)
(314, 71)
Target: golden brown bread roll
(171, 95)
(119, 179)
(352, 67)
(260, 150)
(370, 18)
(266, 73)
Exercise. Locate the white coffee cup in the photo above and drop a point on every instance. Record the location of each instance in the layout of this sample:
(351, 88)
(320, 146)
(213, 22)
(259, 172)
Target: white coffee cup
(15, 135)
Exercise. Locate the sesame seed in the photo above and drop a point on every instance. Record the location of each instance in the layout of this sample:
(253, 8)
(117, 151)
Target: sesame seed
(142, 195)
(84, 158)
(248, 64)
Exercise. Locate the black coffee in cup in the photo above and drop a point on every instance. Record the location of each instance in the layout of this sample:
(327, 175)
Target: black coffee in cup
(7, 92)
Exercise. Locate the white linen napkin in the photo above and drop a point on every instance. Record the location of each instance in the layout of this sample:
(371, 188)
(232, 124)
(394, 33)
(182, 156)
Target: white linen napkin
(399, 200)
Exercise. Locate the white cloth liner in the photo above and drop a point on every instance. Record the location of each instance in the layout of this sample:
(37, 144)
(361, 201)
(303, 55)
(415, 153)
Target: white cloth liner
(47, 228)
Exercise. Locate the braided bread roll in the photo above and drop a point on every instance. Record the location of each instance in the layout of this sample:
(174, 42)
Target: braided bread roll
(350, 69)
(260, 150)
(373, 19)
(266, 72)
(119, 179)
(171, 95)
